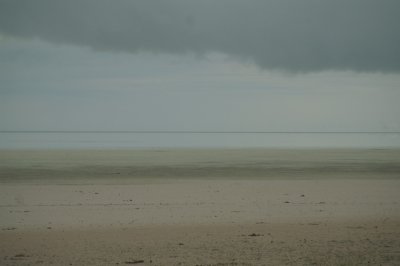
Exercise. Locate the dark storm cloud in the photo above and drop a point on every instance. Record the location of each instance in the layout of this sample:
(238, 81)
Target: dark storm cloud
(303, 35)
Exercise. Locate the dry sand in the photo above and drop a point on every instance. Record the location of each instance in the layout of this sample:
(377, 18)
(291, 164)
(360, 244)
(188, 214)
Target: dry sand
(200, 207)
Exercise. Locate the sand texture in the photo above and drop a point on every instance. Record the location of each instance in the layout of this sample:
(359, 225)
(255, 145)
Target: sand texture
(200, 207)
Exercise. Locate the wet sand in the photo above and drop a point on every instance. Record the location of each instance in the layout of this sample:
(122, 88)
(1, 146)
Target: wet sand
(200, 207)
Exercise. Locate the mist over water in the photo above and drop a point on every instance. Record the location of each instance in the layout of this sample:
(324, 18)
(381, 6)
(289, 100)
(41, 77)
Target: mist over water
(152, 140)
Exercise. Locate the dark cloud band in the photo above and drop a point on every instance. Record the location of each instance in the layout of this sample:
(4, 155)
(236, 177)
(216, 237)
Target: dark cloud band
(299, 36)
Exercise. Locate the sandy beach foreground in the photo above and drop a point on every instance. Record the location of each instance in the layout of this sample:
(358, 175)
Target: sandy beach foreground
(200, 207)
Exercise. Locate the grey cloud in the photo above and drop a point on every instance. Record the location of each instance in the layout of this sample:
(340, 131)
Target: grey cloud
(298, 36)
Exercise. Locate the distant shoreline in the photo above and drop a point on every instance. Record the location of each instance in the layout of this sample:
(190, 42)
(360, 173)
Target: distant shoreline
(131, 165)
(196, 139)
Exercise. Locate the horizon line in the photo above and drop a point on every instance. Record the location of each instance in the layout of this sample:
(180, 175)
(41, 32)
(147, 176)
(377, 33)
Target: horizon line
(198, 131)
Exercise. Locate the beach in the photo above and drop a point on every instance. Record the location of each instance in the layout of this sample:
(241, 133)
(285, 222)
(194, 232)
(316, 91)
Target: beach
(200, 207)
(199, 133)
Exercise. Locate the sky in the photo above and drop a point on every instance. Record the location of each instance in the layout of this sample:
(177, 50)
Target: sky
(210, 65)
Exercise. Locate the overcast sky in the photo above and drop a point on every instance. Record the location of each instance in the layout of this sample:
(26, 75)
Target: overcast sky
(241, 65)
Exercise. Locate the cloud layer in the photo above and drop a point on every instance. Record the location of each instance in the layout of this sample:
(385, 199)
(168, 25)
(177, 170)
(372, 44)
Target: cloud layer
(298, 36)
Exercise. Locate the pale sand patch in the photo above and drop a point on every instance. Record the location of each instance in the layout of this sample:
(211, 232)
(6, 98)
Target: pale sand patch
(246, 244)
(290, 222)
(199, 202)
(291, 210)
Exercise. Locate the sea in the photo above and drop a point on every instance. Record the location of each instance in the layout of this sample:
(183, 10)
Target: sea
(193, 139)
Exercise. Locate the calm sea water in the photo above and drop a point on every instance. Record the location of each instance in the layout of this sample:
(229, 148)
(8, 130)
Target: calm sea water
(76, 140)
